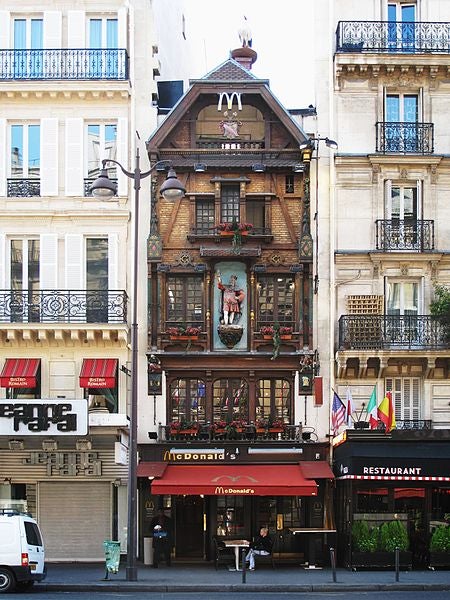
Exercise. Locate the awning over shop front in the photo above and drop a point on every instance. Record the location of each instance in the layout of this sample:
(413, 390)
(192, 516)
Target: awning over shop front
(99, 373)
(151, 469)
(234, 480)
(316, 469)
(20, 372)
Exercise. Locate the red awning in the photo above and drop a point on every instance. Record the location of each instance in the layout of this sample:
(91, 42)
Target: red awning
(99, 373)
(316, 469)
(234, 480)
(151, 469)
(20, 372)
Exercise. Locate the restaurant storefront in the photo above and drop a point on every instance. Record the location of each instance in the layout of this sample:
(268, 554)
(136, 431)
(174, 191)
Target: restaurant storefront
(405, 477)
(230, 492)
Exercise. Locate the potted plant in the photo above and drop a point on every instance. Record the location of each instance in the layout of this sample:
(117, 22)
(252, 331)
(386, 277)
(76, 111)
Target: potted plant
(285, 333)
(234, 427)
(276, 425)
(267, 332)
(440, 547)
(183, 333)
(374, 547)
(174, 427)
(189, 427)
(440, 307)
(218, 427)
(262, 424)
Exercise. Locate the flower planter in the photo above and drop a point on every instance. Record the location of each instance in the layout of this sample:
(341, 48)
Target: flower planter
(188, 431)
(288, 336)
(226, 233)
(267, 337)
(439, 560)
(380, 560)
(276, 430)
(183, 337)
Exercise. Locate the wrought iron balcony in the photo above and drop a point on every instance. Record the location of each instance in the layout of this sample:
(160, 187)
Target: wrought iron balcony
(413, 424)
(384, 36)
(405, 138)
(370, 332)
(249, 433)
(64, 63)
(88, 184)
(23, 188)
(63, 306)
(228, 144)
(404, 234)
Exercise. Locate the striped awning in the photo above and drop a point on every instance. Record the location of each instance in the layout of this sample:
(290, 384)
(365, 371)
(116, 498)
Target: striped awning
(19, 373)
(99, 373)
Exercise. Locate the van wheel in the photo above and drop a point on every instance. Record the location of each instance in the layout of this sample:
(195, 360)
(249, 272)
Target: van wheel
(7, 581)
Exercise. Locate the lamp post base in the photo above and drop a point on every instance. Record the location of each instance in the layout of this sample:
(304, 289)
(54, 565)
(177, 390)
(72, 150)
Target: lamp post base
(131, 573)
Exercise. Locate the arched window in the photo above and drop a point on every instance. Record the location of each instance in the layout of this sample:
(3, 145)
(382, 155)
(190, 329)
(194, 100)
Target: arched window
(187, 400)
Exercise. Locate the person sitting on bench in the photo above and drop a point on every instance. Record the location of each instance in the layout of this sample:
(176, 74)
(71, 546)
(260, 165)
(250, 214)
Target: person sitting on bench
(262, 545)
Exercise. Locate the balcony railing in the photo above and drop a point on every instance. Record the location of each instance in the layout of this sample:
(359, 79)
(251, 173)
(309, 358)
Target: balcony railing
(405, 138)
(64, 63)
(228, 144)
(360, 332)
(383, 36)
(88, 184)
(63, 306)
(250, 433)
(413, 424)
(404, 234)
(212, 231)
(23, 188)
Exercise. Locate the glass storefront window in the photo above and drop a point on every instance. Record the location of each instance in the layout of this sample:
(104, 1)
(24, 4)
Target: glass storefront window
(372, 500)
(440, 507)
(230, 516)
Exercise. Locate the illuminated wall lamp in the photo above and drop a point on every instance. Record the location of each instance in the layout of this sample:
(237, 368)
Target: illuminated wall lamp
(299, 168)
(258, 168)
(200, 167)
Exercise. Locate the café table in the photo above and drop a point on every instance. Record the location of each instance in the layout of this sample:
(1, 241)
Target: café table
(236, 544)
(313, 531)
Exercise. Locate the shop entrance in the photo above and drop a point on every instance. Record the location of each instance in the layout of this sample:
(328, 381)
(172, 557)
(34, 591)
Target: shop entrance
(189, 542)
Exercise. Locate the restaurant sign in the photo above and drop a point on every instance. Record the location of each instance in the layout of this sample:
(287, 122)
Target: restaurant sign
(412, 469)
(35, 417)
(69, 464)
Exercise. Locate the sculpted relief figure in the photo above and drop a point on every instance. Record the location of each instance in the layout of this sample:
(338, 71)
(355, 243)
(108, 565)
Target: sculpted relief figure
(231, 301)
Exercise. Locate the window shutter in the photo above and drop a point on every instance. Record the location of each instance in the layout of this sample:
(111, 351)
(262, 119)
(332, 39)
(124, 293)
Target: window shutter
(122, 155)
(48, 267)
(5, 27)
(74, 272)
(407, 401)
(415, 400)
(122, 27)
(388, 198)
(76, 29)
(2, 261)
(52, 29)
(419, 199)
(3, 155)
(113, 260)
(74, 157)
(49, 157)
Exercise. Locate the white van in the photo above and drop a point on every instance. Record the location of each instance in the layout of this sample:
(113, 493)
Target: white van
(22, 556)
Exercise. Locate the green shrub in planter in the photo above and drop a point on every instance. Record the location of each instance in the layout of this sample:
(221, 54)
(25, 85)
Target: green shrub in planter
(393, 534)
(364, 538)
(440, 540)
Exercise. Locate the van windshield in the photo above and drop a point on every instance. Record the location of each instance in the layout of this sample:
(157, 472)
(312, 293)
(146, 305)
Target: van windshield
(33, 534)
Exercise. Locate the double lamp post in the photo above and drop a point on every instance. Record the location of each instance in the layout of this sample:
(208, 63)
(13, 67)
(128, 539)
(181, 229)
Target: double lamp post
(104, 189)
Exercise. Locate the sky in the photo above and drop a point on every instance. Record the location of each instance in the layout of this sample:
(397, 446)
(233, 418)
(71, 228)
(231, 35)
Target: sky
(281, 34)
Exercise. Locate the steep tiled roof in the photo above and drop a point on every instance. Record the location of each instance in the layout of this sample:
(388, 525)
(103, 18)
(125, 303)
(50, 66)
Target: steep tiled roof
(230, 70)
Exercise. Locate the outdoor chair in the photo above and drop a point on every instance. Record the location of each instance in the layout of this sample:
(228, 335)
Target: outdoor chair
(222, 554)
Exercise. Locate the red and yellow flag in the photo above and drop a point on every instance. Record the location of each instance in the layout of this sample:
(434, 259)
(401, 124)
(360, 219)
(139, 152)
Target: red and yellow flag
(386, 412)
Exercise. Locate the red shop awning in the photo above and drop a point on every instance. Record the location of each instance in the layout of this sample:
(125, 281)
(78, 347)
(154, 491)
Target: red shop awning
(316, 469)
(234, 480)
(151, 469)
(99, 373)
(20, 372)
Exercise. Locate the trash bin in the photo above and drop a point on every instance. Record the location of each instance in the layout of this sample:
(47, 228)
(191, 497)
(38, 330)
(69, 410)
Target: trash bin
(148, 551)
(112, 556)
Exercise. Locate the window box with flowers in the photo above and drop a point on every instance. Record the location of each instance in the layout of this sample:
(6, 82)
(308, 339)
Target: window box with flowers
(276, 425)
(218, 427)
(234, 427)
(268, 332)
(184, 428)
(231, 228)
(183, 333)
(261, 425)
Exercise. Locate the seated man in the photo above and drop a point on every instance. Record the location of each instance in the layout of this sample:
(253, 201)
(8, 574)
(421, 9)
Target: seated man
(262, 545)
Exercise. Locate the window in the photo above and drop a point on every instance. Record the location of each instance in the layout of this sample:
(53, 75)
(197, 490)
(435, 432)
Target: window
(204, 217)
(103, 41)
(256, 213)
(24, 279)
(32, 533)
(97, 280)
(230, 516)
(402, 112)
(25, 151)
(401, 30)
(28, 35)
(275, 300)
(273, 399)
(402, 307)
(402, 212)
(188, 400)
(229, 210)
(406, 397)
(185, 305)
(289, 184)
(102, 143)
(230, 399)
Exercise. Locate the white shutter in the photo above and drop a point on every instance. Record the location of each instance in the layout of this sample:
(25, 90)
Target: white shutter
(2, 261)
(113, 259)
(388, 198)
(49, 157)
(48, 267)
(74, 271)
(122, 155)
(122, 27)
(419, 199)
(5, 27)
(74, 183)
(52, 29)
(3, 154)
(76, 29)
(415, 400)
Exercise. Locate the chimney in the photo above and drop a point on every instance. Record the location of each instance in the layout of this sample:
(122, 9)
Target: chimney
(245, 56)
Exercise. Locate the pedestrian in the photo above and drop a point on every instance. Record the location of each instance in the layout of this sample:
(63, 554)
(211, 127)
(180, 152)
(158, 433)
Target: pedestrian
(162, 533)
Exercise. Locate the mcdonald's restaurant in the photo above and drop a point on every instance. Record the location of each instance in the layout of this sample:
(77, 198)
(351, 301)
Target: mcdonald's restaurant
(233, 489)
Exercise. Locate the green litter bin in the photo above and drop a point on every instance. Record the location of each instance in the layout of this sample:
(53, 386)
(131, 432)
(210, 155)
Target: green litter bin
(112, 556)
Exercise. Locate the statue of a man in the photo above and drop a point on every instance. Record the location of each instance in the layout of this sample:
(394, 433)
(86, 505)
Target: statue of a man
(232, 298)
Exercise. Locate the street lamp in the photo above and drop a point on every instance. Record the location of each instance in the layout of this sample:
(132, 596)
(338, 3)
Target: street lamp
(104, 188)
(307, 148)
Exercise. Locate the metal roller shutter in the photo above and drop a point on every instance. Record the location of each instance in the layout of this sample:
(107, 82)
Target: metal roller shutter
(75, 519)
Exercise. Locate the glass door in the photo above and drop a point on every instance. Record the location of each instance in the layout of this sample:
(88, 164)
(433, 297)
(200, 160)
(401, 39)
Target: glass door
(103, 40)
(401, 26)
(403, 212)
(24, 277)
(402, 309)
(402, 112)
(28, 43)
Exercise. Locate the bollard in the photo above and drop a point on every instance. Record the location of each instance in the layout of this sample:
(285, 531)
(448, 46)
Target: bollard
(244, 572)
(333, 563)
(397, 564)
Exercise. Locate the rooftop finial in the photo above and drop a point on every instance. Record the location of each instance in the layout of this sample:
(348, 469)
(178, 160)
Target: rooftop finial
(245, 34)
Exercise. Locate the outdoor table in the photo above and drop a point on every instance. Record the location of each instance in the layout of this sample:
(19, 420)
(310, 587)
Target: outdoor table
(236, 544)
(311, 545)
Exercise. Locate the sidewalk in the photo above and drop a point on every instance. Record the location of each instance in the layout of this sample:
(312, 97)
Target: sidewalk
(194, 578)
